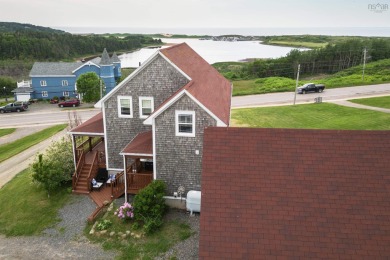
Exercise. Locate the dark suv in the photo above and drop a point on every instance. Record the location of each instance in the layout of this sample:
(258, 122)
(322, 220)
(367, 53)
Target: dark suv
(14, 107)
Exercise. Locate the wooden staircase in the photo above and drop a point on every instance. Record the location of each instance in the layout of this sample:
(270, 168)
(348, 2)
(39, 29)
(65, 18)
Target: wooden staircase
(82, 184)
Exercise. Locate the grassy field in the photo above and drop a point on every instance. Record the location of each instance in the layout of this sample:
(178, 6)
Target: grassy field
(10, 149)
(312, 116)
(375, 73)
(383, 102)
(25, 209)
(6, 131)
(311, 45)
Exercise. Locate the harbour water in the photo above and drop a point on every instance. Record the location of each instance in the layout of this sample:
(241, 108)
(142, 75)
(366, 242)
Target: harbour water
(263, 31)
(212, 51)
(219, 51)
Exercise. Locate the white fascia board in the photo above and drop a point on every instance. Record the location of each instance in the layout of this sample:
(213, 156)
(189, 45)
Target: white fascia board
(149, 120)
(154, 150)
(130, 77)
(176, 67)
(138, 154)
(86, 133)
(219, 121)
(114, 169)
(105, 135)
(85, 64)
(53, 76)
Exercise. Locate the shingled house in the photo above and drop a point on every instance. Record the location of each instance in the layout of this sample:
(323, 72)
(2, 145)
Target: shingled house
(151, 125)
(295, 194)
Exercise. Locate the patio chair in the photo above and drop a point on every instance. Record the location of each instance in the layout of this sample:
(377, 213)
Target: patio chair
(96, 185)
(111, 179)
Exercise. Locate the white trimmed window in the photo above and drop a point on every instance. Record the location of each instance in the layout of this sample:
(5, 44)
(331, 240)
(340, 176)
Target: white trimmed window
(125, 106)
(65, 93)
(185, 123)
(65, 83)
(45, 94)
(43, 83)
(146, 106)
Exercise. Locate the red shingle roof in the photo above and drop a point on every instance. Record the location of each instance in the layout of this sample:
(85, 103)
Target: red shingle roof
(142, 144)
(286, 193)
(94, 125)
(207, 85)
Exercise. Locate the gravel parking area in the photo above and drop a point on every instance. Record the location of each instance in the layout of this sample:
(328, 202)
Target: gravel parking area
(67, 241)
(189, 248)
(64, 241)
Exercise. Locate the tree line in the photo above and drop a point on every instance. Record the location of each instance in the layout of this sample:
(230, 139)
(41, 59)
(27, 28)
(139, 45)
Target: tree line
(48, 46)
(327, 60)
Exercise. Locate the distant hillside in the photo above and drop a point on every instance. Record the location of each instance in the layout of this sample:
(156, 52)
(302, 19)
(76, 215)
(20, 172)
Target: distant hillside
(14, 27)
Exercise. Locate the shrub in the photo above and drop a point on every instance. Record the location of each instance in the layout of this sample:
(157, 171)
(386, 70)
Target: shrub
(104, 224)
(125, 211)
(54, 168)
(149, 206)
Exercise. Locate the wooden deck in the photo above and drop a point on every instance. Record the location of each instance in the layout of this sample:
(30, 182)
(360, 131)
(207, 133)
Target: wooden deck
(101, 195)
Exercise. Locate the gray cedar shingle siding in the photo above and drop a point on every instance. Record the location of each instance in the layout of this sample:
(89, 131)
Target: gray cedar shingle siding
(177, 164)
(159, 80)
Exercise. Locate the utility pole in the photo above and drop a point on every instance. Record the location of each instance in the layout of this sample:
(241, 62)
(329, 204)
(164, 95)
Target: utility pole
(101, 88)
(296, 85)
(364, 62)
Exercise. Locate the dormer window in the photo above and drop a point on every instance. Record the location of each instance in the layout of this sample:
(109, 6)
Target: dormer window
(125, 106)
(185, 123)
(146, 106)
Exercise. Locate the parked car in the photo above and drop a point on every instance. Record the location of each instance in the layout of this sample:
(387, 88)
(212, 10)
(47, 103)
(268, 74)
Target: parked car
(69, 103)
(311, 87)
(14, 107)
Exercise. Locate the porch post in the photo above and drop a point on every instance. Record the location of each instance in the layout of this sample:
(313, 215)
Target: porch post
(125, 174)
(90, 143)
(74, 151)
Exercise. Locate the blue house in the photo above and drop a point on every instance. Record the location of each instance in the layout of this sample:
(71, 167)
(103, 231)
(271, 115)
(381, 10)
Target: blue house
(58, 79)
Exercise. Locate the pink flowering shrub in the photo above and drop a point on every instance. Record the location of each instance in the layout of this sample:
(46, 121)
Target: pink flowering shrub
(125, 211)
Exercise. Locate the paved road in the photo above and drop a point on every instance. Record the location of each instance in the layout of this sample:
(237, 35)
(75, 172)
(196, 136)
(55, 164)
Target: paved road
(9, 168)
(47, 117)
(52, 115)
(287, 98)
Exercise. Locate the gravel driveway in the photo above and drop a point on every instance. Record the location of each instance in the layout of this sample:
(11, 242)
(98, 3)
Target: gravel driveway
(64, 241)
(67, 241)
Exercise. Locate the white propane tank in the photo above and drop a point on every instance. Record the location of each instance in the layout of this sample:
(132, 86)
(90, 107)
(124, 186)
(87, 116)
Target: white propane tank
(193, 201)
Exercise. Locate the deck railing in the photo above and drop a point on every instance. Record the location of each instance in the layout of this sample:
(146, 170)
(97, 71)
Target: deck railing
(118, 186)
(93, 170)
(135, 182)
(76, 175)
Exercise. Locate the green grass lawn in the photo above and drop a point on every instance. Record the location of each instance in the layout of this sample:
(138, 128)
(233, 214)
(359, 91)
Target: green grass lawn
(25, 209)
(6, 131)
(375, 73)
(10, 149)
(311, 116)
(383, 102)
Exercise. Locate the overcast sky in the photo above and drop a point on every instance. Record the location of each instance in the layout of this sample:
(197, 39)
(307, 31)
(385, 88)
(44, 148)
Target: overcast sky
(195, 13)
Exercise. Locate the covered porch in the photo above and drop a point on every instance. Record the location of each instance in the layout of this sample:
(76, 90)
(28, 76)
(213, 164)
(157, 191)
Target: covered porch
(88, 152)
(138, 166)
